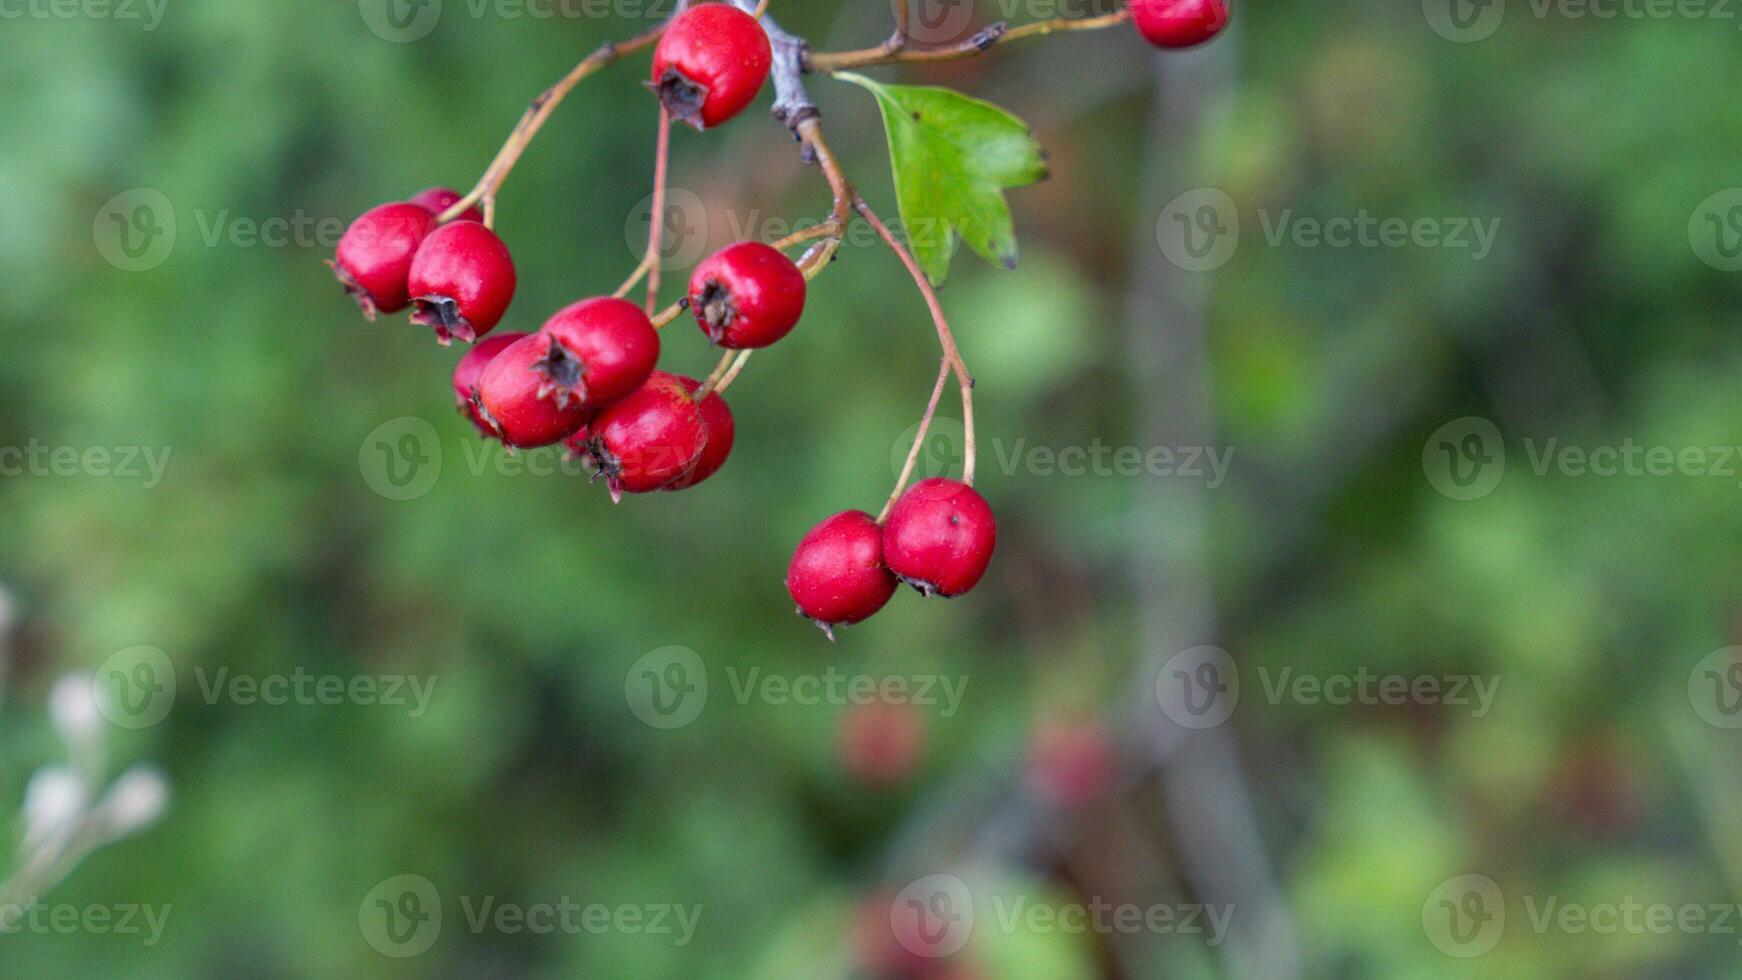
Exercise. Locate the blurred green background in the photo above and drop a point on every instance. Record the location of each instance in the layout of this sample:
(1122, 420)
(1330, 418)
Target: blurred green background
(1604, 771)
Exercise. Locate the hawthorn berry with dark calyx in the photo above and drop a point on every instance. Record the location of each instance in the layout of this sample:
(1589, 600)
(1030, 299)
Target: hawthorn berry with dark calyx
(837, 575)
(462, 280)
(508, 404)
(1179, 23)
(470, 370)
(747, 295)
(722, 433)
(940, 537)
(374, 258)
(650, 439)
(710, 63)
(599, 350)
(439, 199)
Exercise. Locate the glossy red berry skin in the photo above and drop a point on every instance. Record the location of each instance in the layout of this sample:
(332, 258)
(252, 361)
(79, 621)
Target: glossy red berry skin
(508, 402)
(649, 439)
(600, 350)
(747, 295)
(710, 63)
(374, 258)
(439, 199)
(462, 280)
(470, 371)
(722, 433)
(837, 575)
(1179, 23)
(940, 537)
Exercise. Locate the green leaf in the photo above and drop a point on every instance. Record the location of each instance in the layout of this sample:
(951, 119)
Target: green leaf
(953, 158)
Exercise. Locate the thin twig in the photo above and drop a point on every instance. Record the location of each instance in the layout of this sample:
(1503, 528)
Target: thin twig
(952, 355)
(931, 409)
(661, 165)
(829, 62)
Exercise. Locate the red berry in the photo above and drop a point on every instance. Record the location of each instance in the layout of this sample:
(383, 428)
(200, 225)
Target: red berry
(940, 537)
(837, 575)
(508, 402)
(722, 433)
(710, 64)
(882, 742)
(461, 281)
(600, 350)
(747, 295)
(650, 439)
(374, 257)
(439, 199)
(470, 370)
(1179, 23)
(1072, 764)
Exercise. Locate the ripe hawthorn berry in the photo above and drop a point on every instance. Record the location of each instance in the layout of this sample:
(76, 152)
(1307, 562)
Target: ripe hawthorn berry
(837, 575)
(1179, 23)
(439, 199)
(882, 741)
(374, 257)
(508, 402)
(650, 439)
(710, 63)
(940, 537)
(722, 433)
(470, 370)
(599, 350)
(1072, 763)
(462, 280)
(747, 295)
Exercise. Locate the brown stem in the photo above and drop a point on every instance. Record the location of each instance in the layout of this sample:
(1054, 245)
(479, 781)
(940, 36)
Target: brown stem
(534, 119)
(990, 37)
(931, 408)
(952, 355)
(661, 164)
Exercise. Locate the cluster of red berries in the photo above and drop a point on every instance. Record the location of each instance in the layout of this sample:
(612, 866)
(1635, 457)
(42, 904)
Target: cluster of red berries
(938, 538)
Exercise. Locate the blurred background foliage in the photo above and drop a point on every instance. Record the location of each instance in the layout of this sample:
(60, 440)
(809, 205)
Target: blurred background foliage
(528, 598)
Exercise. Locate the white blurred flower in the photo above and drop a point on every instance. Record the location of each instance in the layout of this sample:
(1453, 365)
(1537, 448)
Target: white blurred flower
(53, 800)
(72, 704)
(134, 801)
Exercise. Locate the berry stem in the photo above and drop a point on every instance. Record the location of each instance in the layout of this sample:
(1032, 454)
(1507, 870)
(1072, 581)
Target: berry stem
(931, 409)
(538, 113)
(724, 373)
(670, 313)
(890, 53)
(656, 222)
(952, 355)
